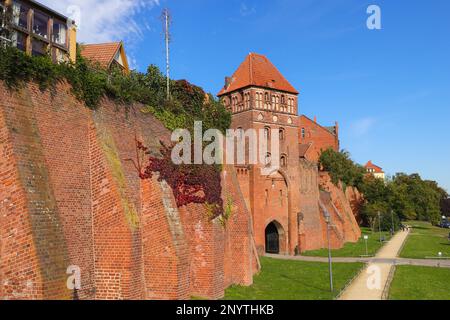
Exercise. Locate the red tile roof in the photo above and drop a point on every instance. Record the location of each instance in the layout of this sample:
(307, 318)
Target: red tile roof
(257, 70)
(103, 53)
(377, 169)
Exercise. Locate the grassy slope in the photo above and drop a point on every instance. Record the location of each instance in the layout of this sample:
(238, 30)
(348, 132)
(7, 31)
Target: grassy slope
(355, 249)
(294, 280)
(426, 241)
(420, 283)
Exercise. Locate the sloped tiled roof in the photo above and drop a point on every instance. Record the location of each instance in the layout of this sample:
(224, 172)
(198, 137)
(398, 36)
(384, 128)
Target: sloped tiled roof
(103, 53)
(377, 169)
(257, 70)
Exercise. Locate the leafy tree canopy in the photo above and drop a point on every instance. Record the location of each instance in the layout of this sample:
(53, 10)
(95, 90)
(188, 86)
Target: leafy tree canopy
(402, 197)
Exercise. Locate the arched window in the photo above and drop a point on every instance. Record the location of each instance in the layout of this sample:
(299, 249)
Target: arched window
(282, 134)
(267, 133)
(268, 159)
(283, 161)
(240, 133)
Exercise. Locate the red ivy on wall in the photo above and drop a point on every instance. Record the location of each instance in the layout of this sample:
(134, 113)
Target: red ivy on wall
(200, 184)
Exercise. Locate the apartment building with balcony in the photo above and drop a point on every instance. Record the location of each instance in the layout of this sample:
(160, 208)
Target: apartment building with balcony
(37, 29)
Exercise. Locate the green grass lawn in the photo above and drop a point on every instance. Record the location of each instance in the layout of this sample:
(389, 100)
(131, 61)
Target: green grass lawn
(420, 283)
(294, 280)
(354, 249)
(426, 240)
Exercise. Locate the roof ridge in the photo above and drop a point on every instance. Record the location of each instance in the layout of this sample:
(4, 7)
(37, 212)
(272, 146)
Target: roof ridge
(251, 68)
(318, 124)
(101, 44)
(257, 70)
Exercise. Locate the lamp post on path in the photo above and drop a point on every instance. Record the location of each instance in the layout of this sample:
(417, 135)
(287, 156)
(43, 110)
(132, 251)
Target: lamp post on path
(330, 263)
(366, 237)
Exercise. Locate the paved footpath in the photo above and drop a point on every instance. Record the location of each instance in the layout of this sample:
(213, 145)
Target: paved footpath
(382, 262)
(365, 287)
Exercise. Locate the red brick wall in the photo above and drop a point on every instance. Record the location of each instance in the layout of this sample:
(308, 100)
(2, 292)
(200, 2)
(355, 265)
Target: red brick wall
(310, 223)
(350, 228)
(319, 138)
(241, 257)
(291, 196)
(356, 200)
(20, 277)
(165, 249)
(35, 252)
(69, 196)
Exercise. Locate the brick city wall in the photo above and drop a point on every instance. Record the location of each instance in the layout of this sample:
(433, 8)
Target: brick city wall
(345, 215)
(69, 196)
(319, 138)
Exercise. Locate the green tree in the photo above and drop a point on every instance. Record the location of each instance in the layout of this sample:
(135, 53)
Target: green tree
(341, 168)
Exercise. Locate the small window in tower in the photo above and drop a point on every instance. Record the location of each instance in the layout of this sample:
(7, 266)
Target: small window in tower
(282, 136)
(266, 133)
(268, 159)
(303, 133)
(240, 133)
(283, 161)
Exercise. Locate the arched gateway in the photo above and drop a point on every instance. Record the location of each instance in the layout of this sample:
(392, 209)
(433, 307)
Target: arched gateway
(274, 237)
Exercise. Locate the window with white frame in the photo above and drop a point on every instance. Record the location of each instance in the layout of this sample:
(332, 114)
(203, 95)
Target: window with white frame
(59, 33)
(40, 24)
(20, 14)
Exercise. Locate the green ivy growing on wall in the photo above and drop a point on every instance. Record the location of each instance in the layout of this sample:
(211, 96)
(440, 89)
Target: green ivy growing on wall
(90, 82)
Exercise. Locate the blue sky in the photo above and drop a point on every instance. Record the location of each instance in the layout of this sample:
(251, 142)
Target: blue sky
(389, 89)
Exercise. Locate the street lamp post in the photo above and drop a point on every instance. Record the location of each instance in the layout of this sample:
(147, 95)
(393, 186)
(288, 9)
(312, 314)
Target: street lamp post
(366, 237)
(330, 263)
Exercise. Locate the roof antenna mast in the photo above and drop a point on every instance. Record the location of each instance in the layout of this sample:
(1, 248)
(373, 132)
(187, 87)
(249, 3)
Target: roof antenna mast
(167, 20)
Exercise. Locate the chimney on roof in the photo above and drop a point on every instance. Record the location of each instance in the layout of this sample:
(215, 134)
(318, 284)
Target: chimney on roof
(315, 119)
(337, 129)
(227, 81)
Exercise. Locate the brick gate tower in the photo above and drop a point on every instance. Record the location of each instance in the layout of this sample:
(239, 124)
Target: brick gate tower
(260, 98)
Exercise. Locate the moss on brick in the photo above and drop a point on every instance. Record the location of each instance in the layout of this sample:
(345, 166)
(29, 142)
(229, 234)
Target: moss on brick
(112, 157)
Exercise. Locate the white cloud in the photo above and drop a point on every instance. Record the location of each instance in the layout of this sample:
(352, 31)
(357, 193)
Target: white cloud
(362, 126)
(106, 20)
(246, 11)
